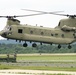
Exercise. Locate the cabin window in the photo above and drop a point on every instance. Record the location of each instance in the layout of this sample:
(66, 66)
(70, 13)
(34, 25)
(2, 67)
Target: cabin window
(52, 34)
(56, 34)
(62, 35)
(20, 30)
(31, 32)
(42, 33)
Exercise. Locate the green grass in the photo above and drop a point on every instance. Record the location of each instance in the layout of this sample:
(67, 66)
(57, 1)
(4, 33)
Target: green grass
(48, 58)
(38, 68)
(43, 58)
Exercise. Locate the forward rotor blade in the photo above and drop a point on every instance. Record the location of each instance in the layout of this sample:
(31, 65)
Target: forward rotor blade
(7, 16)
(21, 15)
(31, 15)
(2, 16)
(41, 11)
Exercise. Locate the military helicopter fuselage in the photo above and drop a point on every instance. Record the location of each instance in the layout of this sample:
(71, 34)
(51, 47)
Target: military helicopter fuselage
(64, 33)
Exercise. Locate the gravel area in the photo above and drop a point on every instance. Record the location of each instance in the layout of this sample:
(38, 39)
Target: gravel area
(50, 64)
(33, 72)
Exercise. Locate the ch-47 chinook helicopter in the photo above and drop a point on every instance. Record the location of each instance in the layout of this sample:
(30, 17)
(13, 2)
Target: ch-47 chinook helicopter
(64, 33)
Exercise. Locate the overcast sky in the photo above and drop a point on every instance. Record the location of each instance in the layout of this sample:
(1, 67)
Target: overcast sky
(13, 7)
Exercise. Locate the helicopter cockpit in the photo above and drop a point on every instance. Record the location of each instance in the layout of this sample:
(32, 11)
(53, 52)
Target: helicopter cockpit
(8, 28)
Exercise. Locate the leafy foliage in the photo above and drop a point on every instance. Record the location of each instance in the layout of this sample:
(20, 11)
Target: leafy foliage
(45, 48)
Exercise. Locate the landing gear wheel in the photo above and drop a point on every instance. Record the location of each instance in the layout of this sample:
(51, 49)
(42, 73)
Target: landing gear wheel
(34, 45)
(69, 46)
(25, 45)
(59, 46)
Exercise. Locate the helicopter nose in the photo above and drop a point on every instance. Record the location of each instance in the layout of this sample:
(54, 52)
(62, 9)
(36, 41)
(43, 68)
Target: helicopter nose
(4, 34)
(1, 32)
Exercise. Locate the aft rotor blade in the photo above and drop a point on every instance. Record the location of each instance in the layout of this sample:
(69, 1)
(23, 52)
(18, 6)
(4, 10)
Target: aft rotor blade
(33, 10)
(72, 16)
(54, 13)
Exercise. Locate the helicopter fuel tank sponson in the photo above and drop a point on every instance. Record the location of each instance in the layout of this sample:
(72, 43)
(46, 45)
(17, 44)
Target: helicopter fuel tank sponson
(47, 39)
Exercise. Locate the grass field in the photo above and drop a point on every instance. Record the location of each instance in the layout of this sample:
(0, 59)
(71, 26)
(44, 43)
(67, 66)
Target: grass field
(57, 62)
(47, 58)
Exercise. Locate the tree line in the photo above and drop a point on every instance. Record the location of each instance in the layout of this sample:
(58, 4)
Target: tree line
(45, 48)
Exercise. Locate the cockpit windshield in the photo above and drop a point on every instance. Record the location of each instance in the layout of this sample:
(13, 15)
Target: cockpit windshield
(59, 24)
(8, 28)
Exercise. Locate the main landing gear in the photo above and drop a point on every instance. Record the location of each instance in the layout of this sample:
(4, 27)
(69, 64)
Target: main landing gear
(59, 46)
(25, 45)
(69, 46)
(33, 45)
